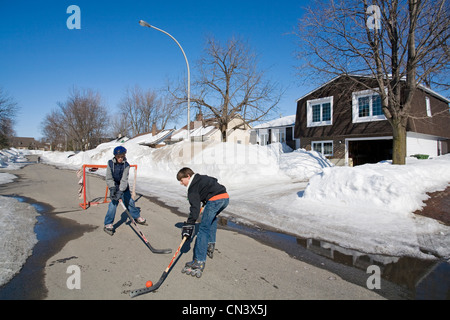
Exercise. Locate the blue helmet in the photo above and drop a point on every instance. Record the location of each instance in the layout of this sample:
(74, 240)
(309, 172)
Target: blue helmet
(119, 150)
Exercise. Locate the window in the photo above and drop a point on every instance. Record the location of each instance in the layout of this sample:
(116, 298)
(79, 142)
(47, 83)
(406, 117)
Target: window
(324, 147)
(367, 106)
(320, 112)
(263, 137)
(428, 104)
(279, 135)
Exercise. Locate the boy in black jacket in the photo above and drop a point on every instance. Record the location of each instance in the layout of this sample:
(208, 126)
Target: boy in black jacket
(202, 189)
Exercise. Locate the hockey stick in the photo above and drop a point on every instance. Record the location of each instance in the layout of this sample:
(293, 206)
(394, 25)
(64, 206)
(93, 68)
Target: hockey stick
(155, 287)
(139, 232)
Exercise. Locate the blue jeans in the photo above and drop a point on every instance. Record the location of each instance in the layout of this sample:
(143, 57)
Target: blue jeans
(129, 204)
(208, 228)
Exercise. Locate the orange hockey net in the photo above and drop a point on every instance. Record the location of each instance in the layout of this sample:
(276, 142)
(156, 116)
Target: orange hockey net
(84, 186)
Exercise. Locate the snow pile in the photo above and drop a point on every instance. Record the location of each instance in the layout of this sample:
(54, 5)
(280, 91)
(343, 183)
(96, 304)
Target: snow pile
(17, 235)
(6, 178)
(229, 162)
(12, 159)
(400, 189)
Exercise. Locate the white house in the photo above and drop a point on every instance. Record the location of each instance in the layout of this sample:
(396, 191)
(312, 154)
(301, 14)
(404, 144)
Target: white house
(207, 130)
(278, 130)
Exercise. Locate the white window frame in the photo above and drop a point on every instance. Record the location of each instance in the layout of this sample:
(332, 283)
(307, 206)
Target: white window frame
(428, 106)
(279, 135)
(309, 112)
(355, 107)
(263, 137)
(322, 143)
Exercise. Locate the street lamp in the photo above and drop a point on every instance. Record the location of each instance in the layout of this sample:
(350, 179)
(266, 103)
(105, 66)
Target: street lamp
(145, 24)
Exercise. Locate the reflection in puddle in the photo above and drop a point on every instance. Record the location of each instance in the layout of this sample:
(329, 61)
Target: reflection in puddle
(422, 279)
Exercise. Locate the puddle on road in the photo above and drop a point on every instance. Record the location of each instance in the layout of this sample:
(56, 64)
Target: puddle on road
(406, 277)
(402, 277)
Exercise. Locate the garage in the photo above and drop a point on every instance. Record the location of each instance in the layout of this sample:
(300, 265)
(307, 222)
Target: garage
(371, 150)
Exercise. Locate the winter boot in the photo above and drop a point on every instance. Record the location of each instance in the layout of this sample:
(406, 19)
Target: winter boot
(210, 252)
(194, 268)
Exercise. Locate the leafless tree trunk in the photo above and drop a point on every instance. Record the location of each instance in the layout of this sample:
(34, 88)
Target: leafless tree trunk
(228, 83)
(400, 43)
(8, 112)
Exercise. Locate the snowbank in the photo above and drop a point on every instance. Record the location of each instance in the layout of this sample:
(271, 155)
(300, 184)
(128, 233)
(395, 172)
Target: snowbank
(12, 159)
(17, 235)
(400, 189)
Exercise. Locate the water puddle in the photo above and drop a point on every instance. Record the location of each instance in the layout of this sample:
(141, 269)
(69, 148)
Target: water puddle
(52, 233)
(402, 277)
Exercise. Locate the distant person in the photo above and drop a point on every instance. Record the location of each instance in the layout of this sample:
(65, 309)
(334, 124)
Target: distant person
(39, 159)
(202, 189)
(117, 181)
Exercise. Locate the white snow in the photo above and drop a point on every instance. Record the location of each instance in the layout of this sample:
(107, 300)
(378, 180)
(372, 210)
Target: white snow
(367, 208)
(17, 220)
(12, 159)
(17, 237)
(280, 122)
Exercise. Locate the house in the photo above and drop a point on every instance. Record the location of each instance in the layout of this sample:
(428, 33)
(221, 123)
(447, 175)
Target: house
(208, 130)
(26, 143)
(154, 139)
(343, 120)
(278, 130)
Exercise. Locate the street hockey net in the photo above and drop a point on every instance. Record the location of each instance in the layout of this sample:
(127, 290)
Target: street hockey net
(85, 189)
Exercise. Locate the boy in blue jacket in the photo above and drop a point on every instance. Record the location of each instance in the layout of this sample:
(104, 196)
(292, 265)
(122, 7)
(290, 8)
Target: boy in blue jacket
(117, 181)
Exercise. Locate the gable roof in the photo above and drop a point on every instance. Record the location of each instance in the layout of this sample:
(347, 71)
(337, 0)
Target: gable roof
(419, 86)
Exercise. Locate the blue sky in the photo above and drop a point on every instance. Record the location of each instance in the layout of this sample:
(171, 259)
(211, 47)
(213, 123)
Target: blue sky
(41, 59)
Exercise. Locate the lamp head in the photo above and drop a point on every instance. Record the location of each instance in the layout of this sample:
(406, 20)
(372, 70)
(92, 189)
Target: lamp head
(144, 24)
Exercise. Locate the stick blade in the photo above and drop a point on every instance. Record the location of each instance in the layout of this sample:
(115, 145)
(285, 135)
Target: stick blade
(161, 251)
(153, 288)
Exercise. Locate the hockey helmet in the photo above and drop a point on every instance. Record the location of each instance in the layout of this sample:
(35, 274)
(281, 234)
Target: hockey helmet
(119, 150)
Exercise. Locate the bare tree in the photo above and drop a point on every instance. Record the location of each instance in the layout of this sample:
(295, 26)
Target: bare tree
(141, 109)
(400, 43)
(82, 120)
(229, 83)
(53, 130)
(8, 113)
(118, 127)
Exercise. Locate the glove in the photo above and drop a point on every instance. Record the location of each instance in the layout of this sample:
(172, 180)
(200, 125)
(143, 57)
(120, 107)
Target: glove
(118, 195)
(112, 193)
(187, 230)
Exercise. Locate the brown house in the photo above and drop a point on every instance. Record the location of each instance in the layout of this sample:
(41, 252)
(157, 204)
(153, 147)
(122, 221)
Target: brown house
(344, 121)
(25, 143)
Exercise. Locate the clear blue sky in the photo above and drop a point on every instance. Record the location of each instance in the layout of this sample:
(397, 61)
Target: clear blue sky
(41, 59)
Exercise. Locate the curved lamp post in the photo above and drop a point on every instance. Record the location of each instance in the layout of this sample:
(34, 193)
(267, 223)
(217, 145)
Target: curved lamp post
(145, 24)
